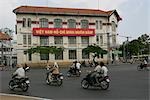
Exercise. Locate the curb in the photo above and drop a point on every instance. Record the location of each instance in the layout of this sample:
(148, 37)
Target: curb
(4, 96)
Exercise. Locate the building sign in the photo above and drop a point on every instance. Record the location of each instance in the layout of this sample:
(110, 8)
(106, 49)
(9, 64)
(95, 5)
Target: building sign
(63, 32)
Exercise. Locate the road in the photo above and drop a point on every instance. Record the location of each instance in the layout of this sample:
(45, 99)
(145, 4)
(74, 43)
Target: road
(126, 84)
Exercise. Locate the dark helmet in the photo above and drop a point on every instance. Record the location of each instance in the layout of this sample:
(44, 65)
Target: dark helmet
(101, 63)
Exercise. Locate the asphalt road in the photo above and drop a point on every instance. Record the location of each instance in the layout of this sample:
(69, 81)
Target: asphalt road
(126, 84)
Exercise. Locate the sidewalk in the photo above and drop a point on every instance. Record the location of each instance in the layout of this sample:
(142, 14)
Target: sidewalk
(19, 97)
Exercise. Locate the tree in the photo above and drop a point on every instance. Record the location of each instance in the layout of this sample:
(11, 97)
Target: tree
(95, 49)
(137, 46)
(44, 50)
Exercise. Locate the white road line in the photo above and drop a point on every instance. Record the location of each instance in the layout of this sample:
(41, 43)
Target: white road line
(27, 97)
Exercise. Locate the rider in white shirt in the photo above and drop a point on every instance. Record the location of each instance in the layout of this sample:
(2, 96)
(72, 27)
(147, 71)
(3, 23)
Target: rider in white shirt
(78, 65)
(97, 68)
(20, 72)
(104, 69)
(145, 63)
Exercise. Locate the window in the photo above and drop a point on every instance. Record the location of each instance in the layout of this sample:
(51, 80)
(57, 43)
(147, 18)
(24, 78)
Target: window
(57, 23)
(85, 55)
(44, 23)
(72, 40)
(72, 54)
(97, 39)
(59, 56)
(85, 40)
(100, 24)
(96, 24)
(30, 56)
(29, 39)
(24, 22)
(71, 23)
(58, 40)
(44, 41)
(44, 56)
(102, 56)
(113, 26)
(101, 39)
(84, 24)
(114, 39)
(24, 39)
(29, 22)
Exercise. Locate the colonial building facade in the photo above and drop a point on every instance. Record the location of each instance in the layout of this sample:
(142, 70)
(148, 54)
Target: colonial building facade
(70, 28)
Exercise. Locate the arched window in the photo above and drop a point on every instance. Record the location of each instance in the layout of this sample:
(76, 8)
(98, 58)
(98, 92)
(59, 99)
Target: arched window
(84, 24)
(71, 23)
(113, 26)
(44, 23)
(57, 23)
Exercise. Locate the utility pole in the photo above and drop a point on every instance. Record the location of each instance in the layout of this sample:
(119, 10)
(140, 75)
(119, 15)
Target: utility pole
(127, 56)
(125, 48)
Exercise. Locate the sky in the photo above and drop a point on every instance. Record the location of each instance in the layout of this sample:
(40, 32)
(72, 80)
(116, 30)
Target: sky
(135, 13)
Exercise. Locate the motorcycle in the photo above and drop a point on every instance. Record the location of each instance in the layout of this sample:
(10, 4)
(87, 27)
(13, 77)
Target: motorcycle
(142, 67)
(72, 72)
(54, 80)
(22, 83)
(103, 82)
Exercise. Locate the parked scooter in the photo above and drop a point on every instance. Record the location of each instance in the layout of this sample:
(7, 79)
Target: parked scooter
(22, 83)
(103, 82)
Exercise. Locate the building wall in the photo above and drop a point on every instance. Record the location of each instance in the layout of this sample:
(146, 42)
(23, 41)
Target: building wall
(22, 58)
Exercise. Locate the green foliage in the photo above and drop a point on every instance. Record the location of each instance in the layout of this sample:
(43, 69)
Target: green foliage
(138, 46)
(44, 50)
(94, 49)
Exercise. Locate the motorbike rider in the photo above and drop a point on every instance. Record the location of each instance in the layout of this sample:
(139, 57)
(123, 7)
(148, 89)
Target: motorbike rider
(145, 63)
(93, 75)
(100, 71)
(19, 73)
(104, 69)
(55, 70)
(73, 67)
(78, 66)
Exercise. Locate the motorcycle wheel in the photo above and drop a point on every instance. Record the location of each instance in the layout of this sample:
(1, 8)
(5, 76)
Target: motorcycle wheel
(47, 81)
(59, 82)
(11, 85)
(138, 68)
(78, 74)
(104, 85)
(68, 74)
(146, 68)
(24, 87)
(84, 84)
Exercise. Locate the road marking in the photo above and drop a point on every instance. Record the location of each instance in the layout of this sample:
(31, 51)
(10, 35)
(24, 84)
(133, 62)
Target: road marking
(22, 96)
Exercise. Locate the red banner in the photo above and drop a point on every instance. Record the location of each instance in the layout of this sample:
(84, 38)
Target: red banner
(63, 32)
